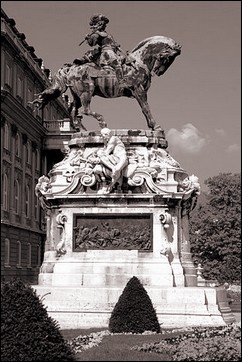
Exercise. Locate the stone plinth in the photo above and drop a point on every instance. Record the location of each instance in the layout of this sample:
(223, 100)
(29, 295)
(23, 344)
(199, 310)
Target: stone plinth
(87, 307)
(114, 215)
(111, 264)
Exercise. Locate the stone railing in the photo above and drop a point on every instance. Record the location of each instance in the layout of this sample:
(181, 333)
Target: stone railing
(58, 125)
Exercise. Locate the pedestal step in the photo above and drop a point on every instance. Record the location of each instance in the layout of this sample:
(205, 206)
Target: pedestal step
(91, 306)
(115, 271)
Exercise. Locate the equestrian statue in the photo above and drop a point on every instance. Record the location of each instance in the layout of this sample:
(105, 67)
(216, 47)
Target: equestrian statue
(109, 72)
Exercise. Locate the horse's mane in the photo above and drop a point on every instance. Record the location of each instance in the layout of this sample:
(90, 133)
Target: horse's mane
(157, 39)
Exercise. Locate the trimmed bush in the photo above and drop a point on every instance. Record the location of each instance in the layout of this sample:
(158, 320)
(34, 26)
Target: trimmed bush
(27, 332)
(134, 312)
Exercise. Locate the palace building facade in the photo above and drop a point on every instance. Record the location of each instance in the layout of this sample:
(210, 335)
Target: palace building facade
(26, 152)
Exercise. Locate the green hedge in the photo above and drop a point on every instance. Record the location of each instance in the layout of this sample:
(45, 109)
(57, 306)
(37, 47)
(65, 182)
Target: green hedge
(27, 332)
(134, 311)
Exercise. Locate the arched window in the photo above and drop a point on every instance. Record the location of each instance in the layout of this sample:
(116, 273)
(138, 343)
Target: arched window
(28, 152)
(17, 146)
(16, 197)
(27, 201)
(19, 253)
(5, 192)
(7, 253)
(6, 141)
(29, 256)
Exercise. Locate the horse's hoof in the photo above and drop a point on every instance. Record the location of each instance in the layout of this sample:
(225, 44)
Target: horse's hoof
(158, 128)
(103, 124)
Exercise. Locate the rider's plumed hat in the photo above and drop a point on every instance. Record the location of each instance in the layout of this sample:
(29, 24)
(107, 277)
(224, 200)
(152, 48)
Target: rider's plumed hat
(98, 17)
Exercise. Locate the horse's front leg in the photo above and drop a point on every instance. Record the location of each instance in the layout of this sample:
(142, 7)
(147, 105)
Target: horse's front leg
(85, 98)
(141, 97)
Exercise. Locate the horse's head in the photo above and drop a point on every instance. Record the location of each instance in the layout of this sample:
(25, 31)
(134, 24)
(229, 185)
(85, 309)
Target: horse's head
(165, 59)
(157, 53)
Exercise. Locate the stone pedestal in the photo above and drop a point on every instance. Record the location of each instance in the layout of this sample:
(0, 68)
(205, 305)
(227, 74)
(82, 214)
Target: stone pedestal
(134, 245)
(102, 230)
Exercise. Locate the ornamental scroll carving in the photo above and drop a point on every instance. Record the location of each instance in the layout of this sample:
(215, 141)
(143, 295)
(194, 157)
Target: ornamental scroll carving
(143, 171)
(60, 247)
(167, 223)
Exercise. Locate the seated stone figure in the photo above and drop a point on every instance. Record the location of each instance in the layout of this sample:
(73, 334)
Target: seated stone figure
(113, 156)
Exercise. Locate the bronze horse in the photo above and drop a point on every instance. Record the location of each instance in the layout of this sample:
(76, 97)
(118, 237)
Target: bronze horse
(151, 56)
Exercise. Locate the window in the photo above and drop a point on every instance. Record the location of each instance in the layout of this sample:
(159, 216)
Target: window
(29, 95)
(28, 152)
(34, 159)
(36, 208)
(8, 78)
(16, 196)
(29, 256)
(6, 141)
(5, 192)
(17, 145)
(20, 87)
(7, 253)
(19, 254)
(38, 255)
(27, 201)
(37, 158)
(46, 113)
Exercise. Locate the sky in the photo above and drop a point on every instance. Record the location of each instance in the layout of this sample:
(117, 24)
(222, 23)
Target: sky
(196, 101)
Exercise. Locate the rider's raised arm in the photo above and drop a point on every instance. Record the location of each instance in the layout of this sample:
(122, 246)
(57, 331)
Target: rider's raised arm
(92, 39)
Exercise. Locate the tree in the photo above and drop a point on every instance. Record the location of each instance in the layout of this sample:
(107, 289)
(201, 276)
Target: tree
(215, 229)
(134, 312)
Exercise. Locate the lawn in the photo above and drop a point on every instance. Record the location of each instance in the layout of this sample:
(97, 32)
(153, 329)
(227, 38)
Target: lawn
(197, 344)
(117, 347)
(193, 344)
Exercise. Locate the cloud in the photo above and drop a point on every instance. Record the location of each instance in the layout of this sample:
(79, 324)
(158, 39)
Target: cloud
(220, 132)
(188, 139)
(233, 148)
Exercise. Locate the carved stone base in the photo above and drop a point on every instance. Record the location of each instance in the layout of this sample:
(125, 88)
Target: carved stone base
(106, 240)
(112, 215)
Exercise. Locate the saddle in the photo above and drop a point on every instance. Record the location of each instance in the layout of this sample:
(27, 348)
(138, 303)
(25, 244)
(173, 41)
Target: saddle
(106, 71)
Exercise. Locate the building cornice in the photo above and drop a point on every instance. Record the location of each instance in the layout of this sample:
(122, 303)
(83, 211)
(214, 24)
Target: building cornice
(25, 53)
(36, 230)
(9, 103)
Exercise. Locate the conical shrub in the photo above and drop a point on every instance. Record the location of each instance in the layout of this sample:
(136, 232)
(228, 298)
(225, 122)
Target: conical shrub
(134, 312)
(27, 332)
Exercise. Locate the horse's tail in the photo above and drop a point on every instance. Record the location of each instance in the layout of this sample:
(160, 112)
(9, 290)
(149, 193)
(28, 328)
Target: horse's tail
(58, 86)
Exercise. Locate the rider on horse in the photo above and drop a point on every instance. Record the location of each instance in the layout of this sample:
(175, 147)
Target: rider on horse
(107, 52)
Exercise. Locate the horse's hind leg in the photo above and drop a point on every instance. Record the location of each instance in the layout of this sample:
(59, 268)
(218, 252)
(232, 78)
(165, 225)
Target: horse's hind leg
(85, 109)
